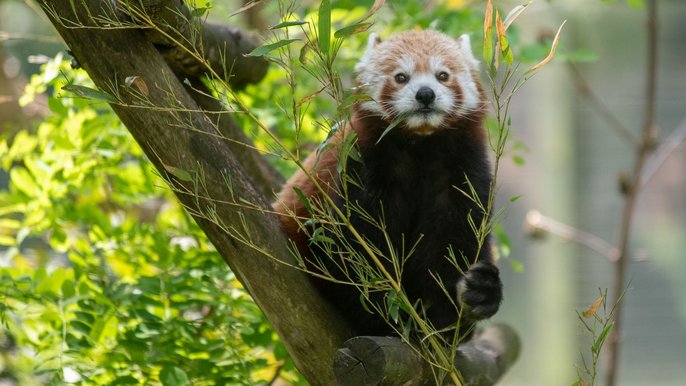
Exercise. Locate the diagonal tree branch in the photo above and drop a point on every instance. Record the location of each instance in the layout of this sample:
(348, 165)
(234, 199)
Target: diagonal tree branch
(250, 241)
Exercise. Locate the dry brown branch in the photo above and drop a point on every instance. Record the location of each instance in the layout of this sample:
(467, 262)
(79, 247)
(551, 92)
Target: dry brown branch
(644, 149)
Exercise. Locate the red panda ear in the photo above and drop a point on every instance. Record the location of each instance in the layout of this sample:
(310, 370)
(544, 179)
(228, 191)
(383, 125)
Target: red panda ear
(372, 42)
(466, 48)
(464, 42)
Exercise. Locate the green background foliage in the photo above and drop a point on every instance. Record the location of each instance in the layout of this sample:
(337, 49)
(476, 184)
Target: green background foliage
(110, 281)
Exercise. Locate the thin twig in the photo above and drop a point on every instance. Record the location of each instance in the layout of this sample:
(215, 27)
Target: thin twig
(669, 146)
(537, 222)
(644, 150)
(599, 105)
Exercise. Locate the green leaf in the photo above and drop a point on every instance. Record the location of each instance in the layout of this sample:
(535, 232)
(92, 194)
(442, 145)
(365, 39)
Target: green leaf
(516, 198)
(390, 127)
(80, 327)
(488, 34)
(351, 30)
(636, 3)
(325, 27)
(348, 150)
(502, 39)
(181, 174)
(22, 180)
(304, 200)
(286, 24)
(89, 93)
(173, 376)
(518, 160)
(601, 338)
(267, 48)
(199, 12)
(516, 265)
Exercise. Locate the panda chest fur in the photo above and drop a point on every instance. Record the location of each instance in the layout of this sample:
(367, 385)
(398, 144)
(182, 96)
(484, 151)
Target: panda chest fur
(418, 187)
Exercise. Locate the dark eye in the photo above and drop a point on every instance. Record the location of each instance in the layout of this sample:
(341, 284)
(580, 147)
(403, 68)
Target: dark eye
(401, 78)
(442, 76)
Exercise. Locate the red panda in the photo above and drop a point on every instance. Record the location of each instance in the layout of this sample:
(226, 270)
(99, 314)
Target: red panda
(408, 193)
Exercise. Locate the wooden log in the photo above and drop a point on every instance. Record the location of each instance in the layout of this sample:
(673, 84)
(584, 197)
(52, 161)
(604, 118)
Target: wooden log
(388, 361)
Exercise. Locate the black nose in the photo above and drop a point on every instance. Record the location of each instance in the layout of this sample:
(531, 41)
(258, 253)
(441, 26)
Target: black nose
(425, 96)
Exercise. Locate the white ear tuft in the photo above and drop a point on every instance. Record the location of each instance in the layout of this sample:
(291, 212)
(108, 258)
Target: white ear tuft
(465, 43)
(372, 42)
(466, 48)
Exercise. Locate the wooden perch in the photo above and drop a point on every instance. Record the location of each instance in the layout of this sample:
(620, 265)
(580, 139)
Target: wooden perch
(388, 361)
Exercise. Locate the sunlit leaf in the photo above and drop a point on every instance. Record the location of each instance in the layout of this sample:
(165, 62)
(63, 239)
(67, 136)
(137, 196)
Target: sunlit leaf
(502, 39)
(488, 34)
(21, 179)
(550, 54)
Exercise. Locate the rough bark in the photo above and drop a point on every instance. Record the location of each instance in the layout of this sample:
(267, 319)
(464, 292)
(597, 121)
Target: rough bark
(308, 326)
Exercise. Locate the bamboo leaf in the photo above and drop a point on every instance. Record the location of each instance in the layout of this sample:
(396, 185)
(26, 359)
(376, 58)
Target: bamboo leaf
(267, 48)
(550, 54)
(325, 27)
(351, 30)
(502, 39)
(375, 7)
(309, 97)
(89, 93)
(514, 13)
(179, 173)
(286, 24)
(601, 339)
(304, 200)
(393, 124)
(488, 34)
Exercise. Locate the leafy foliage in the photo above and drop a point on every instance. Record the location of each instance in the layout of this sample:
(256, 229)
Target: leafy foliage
(105, 279)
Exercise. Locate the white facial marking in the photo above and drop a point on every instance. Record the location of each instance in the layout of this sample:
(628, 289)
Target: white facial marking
(403, 102)
(470, 93)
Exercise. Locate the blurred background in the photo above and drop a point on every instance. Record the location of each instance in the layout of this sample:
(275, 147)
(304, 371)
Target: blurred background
(566, 166)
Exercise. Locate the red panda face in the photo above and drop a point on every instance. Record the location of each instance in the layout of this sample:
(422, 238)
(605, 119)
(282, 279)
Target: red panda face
(425, 79)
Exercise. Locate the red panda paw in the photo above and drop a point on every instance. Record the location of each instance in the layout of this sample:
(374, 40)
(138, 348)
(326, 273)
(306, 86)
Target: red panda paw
(480, 291)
